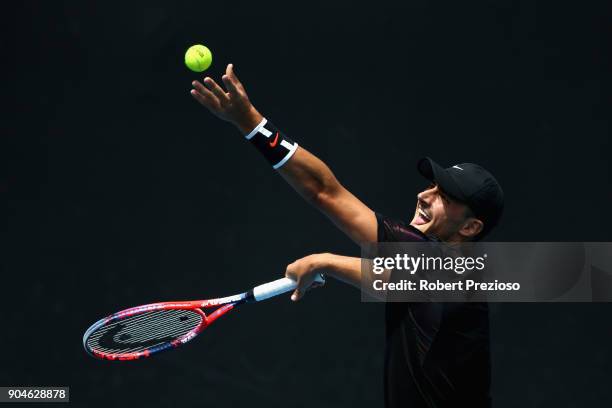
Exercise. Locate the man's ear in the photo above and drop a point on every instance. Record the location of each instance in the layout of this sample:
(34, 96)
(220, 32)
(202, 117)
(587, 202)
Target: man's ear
(471, 227)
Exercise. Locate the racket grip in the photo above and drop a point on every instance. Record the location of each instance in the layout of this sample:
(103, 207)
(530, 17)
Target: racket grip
(278, 287)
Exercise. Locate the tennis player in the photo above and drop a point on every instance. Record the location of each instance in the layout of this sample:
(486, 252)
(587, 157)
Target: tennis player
(437, 354)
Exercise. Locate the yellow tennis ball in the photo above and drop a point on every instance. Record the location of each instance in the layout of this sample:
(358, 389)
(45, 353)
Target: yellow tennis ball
(198, 58)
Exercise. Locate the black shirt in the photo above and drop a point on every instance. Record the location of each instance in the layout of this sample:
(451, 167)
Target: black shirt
(437, 354)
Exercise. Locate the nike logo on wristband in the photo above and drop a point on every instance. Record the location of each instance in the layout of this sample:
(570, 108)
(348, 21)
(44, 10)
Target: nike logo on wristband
(275, 141)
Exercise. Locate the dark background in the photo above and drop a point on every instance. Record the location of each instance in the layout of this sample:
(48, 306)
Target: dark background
(120, 190)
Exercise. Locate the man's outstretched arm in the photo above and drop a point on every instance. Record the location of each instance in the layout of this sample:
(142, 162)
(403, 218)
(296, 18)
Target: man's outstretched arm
(343, 268)
(307, 174)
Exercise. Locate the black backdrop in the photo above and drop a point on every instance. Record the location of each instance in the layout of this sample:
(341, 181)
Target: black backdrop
(120, 190)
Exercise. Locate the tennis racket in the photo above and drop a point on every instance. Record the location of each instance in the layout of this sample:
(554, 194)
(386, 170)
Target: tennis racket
(149, 329)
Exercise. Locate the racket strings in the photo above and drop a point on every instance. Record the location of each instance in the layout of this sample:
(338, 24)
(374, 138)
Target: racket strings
(143, 331)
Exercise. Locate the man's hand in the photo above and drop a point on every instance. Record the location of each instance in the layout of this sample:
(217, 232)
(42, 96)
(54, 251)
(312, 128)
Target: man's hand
(304, 272)
(232, 106)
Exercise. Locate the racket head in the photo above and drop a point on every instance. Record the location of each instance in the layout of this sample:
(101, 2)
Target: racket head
(146, 330)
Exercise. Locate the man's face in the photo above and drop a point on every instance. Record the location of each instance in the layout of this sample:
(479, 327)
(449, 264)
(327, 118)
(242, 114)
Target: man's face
(438, 214)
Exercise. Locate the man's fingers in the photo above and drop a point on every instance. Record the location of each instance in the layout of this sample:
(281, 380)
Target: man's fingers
(232, 75)
(216, 90)
(316, 284)
(204, 100)
(230, 85)
(201, 89)
(297, 295)
(290, 273)
(303, 284)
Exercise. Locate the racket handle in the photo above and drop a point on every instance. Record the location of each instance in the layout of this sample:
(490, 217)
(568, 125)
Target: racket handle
(278, 287)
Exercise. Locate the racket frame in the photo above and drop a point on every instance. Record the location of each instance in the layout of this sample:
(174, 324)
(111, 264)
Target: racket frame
(196, 306)
(258, 293)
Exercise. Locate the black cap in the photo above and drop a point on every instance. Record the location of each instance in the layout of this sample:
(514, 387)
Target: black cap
(470, 184)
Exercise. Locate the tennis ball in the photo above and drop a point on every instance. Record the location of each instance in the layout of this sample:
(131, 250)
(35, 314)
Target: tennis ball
(198, 58)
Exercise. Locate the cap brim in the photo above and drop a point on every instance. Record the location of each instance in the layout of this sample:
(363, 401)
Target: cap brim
(438, 174)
